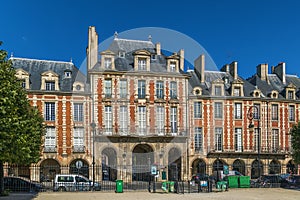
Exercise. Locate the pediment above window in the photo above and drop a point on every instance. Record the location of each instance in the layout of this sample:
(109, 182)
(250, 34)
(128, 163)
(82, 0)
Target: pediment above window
(142, 52)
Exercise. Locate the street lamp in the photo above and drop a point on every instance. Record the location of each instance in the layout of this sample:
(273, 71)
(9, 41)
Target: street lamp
(251, 127)
(93, 125)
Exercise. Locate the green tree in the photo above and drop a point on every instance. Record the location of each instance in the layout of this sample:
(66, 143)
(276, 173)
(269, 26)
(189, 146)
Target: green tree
(21, 125)
(295, 136)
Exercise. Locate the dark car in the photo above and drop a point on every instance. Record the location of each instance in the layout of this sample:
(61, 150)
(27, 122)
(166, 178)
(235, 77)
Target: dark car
(273, 180)
(200, 177)
(294, 181)
(20, 184)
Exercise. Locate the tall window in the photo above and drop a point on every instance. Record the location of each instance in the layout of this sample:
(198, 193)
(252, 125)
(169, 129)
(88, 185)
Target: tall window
(238, 110)
(142, 120)
(123, 88)
(238, 140)
(123, 120)
(160, 120)
(275, 140)
(274, 111)
(50, 111)
(291, 112)
(108, 89)
(172, 66)
(290, 94)
(219, 110)
(50, 85)
(107, 63)
(197, 109)
(23, 83)
(142, 64)
(237, 91)
(108, 120)
(256, 111)
(78, 112)
(255, 139)
(218, 139)
(141, 89)
(218, 90)
(160, 89)
(78, 140)
(198, 139)
(173, 90)
(173, 120)
(50, 139)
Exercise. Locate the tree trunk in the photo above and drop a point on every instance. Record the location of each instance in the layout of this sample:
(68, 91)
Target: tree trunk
(1, 178)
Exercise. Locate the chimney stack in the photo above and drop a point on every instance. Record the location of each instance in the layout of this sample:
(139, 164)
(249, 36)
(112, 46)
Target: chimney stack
(158, 49)
(181, 54)
(262, 71)
(92, 49)
(233, 70)
(279, 70)
(199, 65)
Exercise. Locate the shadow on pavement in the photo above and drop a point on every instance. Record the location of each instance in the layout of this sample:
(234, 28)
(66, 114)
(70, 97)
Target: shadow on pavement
(19, 196)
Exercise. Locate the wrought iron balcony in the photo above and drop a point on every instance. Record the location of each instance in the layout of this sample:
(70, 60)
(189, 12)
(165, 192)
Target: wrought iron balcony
(50, 149)
(78, 149)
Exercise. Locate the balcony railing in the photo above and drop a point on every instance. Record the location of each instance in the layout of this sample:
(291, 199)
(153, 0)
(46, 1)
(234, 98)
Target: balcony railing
(50, 149)
(78, 149)
(251, 149)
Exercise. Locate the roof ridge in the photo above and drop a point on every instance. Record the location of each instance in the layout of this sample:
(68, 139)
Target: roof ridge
(40, 60)
(132, 40)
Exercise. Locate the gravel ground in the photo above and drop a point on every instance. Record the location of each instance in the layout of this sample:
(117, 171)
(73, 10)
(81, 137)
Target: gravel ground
(232, 194)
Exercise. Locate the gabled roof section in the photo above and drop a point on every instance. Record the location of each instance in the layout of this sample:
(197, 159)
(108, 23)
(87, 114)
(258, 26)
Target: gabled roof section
(38, 67)
(127, 45)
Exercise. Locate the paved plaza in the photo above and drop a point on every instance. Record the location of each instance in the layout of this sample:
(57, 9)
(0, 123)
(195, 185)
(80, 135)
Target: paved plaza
(232, 194)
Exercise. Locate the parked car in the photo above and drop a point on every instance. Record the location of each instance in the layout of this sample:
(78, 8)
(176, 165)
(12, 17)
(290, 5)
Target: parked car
(271, 180)
(74, 182)
(294, 181)
(20, 184)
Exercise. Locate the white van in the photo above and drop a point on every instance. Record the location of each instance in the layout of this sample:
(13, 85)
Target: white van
(220, 174)
(73, 182)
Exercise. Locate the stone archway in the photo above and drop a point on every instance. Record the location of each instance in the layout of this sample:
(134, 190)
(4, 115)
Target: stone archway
(239, 165)
(142, 159)
(291, 167)
(199, 166)
(84, 170)
(174, 164)
(109, 164)
(274, 167)
(48, 169)
(217, 167)
(255, 169)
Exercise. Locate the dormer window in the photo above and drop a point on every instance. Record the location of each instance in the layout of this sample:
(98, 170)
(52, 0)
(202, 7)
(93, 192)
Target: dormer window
(107, 63)
(78, 86)
(50, 85)
(237, 88)
(290, 94)
(237, 91)
(197, 91)
(23, 76)
(121, 54)
(274, 94)
(142, 64)
(172, 66)
(23, 83)
(290, 91)
(218, 90)
(172, 63)
(68, 74)
(153, 57)
(256, 93)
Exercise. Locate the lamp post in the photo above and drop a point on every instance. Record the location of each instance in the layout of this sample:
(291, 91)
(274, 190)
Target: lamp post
(251, 126)
(93, 125)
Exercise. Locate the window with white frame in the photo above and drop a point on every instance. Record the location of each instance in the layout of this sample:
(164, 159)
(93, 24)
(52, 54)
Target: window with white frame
(218, 139)
(238, 111)
(108, 122)
(107, 89)
(218, 90)
(142, 64)
(197, 109)
(172, 66)
(49, 111)
(159, 89)
(50, 139)
(256, 111)
(23, 83)
(198, 139)
(141, 89)
(123, 120)
(237, 91)
(107, 63)
(291, 112)
(173, 120)
(218, 110)
(290, 94)
(173, 90)
(50, 85)
(274, 112)
(275, 140)
(255, 139)
(123, 88)
(78, 112)
(160, 120)
(142, 120)
(238, 146)
(78, 139)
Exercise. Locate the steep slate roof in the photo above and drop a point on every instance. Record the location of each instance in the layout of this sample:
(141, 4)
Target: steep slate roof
(159, 64)
(36, 67)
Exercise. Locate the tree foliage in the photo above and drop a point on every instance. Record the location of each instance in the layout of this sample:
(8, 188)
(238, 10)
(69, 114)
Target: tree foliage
(295, 136)
(21, 125)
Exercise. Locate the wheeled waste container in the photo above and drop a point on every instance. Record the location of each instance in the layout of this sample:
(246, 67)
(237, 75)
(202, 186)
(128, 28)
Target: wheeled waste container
(119, 186)
(233, 181)
(244, 181)
(171, 186)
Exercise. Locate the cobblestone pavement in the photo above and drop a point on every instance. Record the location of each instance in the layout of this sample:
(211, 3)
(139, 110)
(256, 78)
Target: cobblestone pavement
(232, 194)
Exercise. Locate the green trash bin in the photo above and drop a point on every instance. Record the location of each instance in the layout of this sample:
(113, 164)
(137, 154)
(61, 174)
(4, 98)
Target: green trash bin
(164, 186)
(233, 181)
(171, 186)
(119, 186)
(244, 181)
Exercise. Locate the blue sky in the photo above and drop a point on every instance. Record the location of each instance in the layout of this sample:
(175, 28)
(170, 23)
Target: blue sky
(248, 31)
